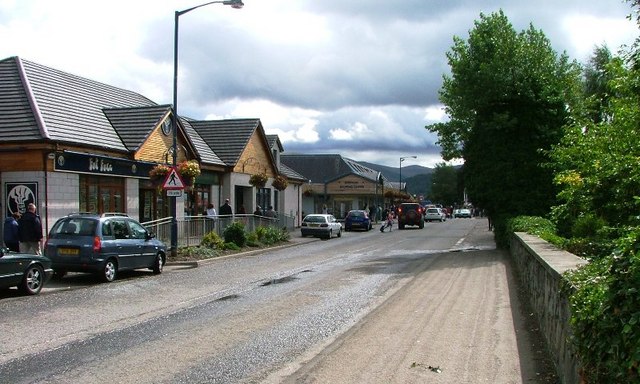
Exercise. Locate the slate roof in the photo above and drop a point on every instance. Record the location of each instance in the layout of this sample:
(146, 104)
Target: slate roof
(228, 138)
(207, 155)
(44, 103)
(324, 168)
(132, 124)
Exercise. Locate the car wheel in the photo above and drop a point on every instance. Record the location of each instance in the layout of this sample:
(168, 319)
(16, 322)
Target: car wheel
(339, 232)
(32, 280)
(330, 235)
(109, 271)
(158, 264)
(421, 226)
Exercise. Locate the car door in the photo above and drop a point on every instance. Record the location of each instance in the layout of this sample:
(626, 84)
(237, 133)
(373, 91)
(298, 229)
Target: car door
(125, 246)
(145, 250)
(10, 273)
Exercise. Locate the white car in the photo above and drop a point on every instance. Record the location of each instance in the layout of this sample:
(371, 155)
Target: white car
(434, 214)
(462, 213)
(321, 225)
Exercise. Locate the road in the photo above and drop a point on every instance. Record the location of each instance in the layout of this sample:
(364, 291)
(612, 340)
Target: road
(437, 305)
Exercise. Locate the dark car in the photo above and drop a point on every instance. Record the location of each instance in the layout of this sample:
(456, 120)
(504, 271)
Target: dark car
(410, 214)
(103, 244)
(26, 271)
(357, 219)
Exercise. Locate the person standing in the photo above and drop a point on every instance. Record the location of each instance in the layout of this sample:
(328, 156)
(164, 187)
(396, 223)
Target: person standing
(271, 213)
(11, 239)
(258, 211)
(30, 231)
(225, 209)
(211, 216)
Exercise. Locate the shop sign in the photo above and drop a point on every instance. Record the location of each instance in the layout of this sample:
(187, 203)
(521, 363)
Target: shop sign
(19, 195)
(100, 165)
(351, 185)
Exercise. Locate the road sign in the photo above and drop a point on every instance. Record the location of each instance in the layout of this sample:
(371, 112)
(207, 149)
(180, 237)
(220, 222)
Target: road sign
(173, 181)
(174, 192)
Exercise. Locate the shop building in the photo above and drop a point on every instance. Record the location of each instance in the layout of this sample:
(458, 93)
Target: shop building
(337, 184)
(70, 144)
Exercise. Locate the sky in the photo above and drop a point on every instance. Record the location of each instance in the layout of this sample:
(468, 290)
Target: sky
(358, 78)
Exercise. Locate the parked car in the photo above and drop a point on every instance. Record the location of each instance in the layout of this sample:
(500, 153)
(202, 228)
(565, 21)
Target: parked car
(434, 214)
(321, 225)
(357, 219)
(103, 244)
(410, 214)
(23, 270)
(462, 213)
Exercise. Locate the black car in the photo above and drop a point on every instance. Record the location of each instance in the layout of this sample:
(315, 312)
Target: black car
(103, 244)
(26, 271)
(410, 214)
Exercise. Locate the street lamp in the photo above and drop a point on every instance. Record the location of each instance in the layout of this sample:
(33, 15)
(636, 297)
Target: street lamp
(237, 4)
(401, 160)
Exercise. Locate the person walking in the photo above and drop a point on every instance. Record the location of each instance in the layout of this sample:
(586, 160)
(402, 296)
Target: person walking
(388, 221)
(11, 239)
(30, 231)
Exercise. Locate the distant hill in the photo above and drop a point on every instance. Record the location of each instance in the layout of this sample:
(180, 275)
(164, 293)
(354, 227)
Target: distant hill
(417, 178)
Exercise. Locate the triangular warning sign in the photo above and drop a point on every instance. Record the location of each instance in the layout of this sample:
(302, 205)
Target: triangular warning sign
(173, 180)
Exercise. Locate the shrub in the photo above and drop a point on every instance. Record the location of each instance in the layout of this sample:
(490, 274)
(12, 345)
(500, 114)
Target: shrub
(587, 226)
(274, 235)
(537, 226)
(200, 252)
(252, 240)
(605, 307)
(234, 233)
(212, 240)
(232, 246)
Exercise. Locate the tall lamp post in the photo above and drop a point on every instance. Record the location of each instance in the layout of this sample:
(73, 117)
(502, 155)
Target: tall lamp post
(174, 118)
(401, 160)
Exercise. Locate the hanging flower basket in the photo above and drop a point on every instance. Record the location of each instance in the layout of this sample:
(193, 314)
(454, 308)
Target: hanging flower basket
(258, 180)
(307, 192)
(189, 170)
(280, 183)
(159, 173)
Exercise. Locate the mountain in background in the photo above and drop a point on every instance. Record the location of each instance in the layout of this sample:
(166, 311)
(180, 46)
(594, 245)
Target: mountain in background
(416, 177)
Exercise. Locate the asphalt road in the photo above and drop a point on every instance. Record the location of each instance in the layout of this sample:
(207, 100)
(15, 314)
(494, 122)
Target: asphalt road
(437, 305)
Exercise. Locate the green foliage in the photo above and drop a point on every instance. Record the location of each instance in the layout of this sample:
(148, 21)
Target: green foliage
(212, 240)
(504, 111)
(444, 185)
(252, 239)
(231, 246)
(605, 305)
(537, 226)
(273, 235)
(234, 233)
(200, 252)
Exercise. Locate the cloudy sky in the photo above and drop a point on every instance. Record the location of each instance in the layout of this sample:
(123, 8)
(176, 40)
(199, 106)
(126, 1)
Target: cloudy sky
(359, 77)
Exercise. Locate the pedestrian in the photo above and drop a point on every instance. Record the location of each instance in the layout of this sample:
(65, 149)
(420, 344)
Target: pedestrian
(324, 209)
(211, 216)
(271, 213)
(387, 221)
(30, 231)
(258, 211)
(11, 239)
(372, 214)
(225, 209)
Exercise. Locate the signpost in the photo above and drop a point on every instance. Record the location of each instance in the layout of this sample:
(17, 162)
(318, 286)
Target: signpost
(173, 184)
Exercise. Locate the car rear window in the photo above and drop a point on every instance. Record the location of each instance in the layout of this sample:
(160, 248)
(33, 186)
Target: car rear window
(356, 214)
(76, 226)
(432, 210)
(315, 219)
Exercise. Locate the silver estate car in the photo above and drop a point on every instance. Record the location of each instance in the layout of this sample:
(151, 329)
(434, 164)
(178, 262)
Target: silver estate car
(321, 225)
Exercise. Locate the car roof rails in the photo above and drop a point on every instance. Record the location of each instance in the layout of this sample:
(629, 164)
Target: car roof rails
(117, 214)
(82, 213)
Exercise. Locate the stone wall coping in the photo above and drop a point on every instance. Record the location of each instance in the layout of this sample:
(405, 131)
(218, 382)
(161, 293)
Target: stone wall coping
(555, 260)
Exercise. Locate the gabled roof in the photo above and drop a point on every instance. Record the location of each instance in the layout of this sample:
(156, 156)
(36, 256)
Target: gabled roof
(207, 155)
(275, 140)
(326, 167)
(133, 124)
(291, 174)
(227, 138)
(43, 103)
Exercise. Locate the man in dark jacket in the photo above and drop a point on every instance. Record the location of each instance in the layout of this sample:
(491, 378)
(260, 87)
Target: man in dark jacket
(10, 238)
(30, 231)
(225, 209)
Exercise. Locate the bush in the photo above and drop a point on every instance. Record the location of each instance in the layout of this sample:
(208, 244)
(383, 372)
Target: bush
(605, 306)
(212, 240)
(538, 226)
(272, 235)
(232, 246)
(200, 252)
(234, 233)
(587, 226)
(252, 240)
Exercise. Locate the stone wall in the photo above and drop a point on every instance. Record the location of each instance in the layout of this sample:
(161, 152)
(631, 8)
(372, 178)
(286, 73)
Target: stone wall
(540, 266)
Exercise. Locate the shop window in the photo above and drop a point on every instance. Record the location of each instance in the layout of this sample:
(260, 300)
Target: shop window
(101, 194)
(263, 197)
(196, 200)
